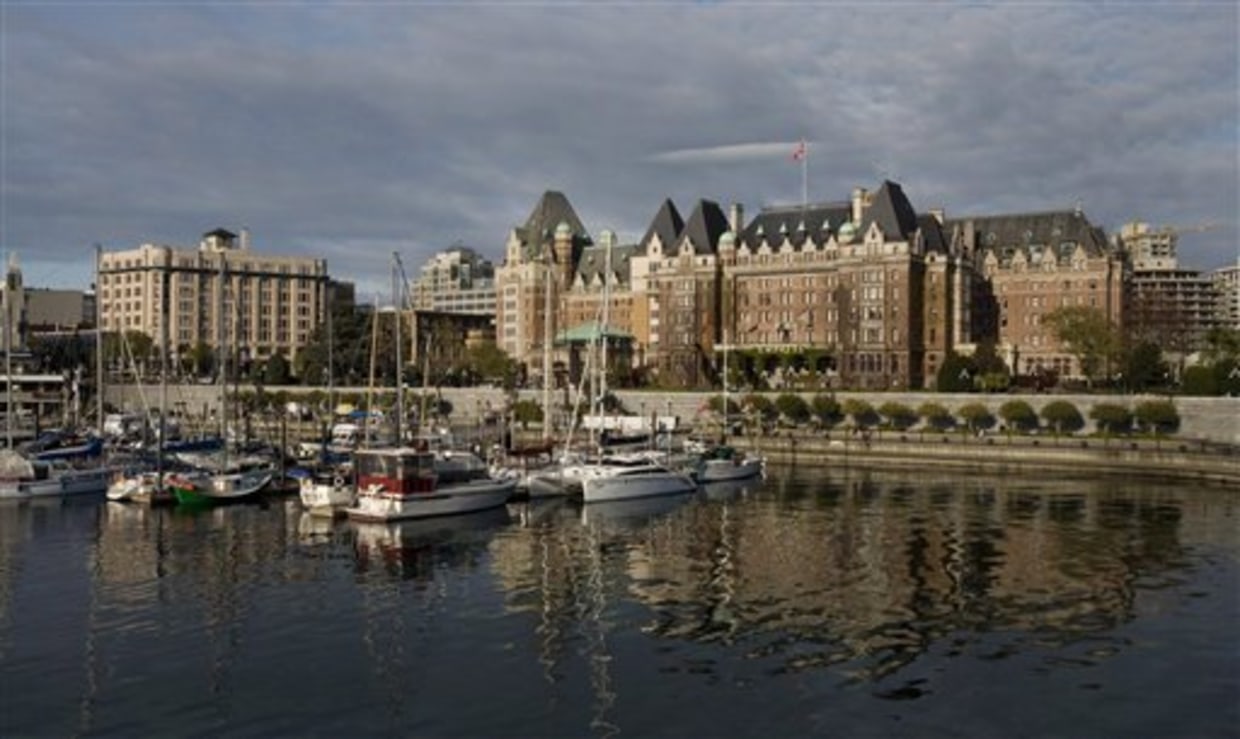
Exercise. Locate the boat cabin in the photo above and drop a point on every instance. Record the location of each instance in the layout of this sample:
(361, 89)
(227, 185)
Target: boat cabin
(401, 471)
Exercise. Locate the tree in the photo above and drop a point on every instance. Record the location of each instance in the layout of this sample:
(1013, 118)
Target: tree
(862, 412)
(1112, 418)
(761, 406)
(1062, 416)
(792, 407)
(492, 364)
(526, 412)
(936, 416)
(1088, 335)
(899, 416)
(976, 416)
(1158, 416)
(202, 359)
(825, 410)
(956, 374)
(1143, 366)
(276, 370)
(1018, 415)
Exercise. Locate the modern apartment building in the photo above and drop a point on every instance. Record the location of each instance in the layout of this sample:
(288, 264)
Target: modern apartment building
(1227, 283)
(221, 294)
(1168, 304)
(456, 280)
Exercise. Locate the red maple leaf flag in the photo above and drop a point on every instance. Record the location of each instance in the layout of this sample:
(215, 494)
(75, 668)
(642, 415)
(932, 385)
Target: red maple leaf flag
(799, 153)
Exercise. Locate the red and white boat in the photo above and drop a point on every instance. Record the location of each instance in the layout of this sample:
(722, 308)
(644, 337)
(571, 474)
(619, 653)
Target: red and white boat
(401, 483)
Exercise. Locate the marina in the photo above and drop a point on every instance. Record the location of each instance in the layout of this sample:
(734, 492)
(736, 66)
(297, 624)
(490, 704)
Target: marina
(851, 600)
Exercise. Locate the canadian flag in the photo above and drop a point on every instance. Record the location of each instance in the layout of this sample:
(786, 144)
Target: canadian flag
(799, 153)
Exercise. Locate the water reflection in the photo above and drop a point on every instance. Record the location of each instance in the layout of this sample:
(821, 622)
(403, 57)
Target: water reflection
(414, 549)
(818, 587)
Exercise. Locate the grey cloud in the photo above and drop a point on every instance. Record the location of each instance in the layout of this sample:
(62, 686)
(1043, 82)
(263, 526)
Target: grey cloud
(352, 131)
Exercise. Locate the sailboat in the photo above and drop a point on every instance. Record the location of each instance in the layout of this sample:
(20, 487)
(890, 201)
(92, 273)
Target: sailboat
(404, 482)
(610, 477)
(326, 489)
(722, 462)
(232, 480)
(26, 475)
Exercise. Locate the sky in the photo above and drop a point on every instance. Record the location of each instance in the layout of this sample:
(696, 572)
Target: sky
(352, 130)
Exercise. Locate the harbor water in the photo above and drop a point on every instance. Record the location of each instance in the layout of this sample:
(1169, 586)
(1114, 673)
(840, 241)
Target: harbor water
(812, 603)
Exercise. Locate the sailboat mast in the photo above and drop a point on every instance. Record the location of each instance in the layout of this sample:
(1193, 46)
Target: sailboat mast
(165, 305)
(374, 355)
(602, 370)
(398, 298)
(547, 345)
(8, 357)
(223, 323)
(99, 339)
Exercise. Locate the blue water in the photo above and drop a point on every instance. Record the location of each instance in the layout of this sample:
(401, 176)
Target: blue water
(850, 603)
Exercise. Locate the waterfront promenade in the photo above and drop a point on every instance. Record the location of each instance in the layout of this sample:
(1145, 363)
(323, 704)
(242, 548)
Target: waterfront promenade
(1206, 447)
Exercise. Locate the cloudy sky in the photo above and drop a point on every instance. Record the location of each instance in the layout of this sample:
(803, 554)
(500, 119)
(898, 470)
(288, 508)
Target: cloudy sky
(349, 130)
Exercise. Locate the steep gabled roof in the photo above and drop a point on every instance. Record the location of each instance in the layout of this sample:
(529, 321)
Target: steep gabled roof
(594, 260)
(933, 233)
(704, 227)
(773, 223)
(666, 224)
(549, 212)
(891, 210)
(1061, 230)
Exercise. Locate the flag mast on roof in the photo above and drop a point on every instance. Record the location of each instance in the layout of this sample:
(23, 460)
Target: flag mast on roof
(801, 154)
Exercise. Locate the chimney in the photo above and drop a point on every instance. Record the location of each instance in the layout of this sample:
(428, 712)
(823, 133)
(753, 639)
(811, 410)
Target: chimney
(858, 202)
(736, 218)
(245, 238)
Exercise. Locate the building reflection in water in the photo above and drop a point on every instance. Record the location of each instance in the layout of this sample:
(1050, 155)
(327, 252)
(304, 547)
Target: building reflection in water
(862, 573)
(862, 570)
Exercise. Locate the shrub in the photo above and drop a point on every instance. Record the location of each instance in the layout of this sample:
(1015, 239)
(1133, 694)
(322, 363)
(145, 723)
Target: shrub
(760, 405)
(792, 407)
(936, 416)
(862, 412)
(1158, 416)
(1062, 416)
(976, 416)
(1112, 418)
(899, 416)
(826, 410)
(1019, 415)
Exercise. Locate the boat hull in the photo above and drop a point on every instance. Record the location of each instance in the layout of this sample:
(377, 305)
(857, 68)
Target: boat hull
(325, 498)
(466, 497)
(723, 470)
(627, 487)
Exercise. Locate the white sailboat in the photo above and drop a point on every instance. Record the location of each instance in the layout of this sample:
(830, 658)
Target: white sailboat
(232, 479)
(722, 462)
(615, 476)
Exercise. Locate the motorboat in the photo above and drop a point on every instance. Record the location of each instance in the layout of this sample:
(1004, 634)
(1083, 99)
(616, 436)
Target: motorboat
(723, 462)
(326, 491)
(402, 483)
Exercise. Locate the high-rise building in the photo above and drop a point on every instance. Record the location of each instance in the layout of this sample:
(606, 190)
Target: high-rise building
(1169, 305)
(221, 294)
(1227, 283)
(456, 280)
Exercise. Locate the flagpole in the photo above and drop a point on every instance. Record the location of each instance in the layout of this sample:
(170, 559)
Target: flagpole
(804, 175)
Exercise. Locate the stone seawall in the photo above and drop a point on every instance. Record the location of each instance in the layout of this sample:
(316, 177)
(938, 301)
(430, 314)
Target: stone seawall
(1172, 460)
(1212, 419)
